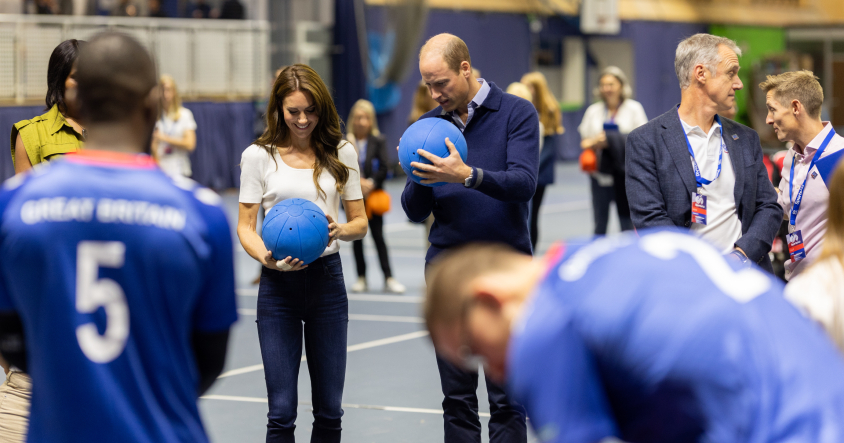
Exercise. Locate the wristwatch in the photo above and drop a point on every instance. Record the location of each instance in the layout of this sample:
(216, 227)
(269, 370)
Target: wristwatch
(468, 181)
(742, 258)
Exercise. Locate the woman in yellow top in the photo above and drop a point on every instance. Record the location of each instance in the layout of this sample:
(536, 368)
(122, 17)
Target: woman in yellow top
(56, 132)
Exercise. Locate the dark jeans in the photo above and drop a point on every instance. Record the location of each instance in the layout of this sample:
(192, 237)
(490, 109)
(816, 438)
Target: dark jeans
(315, 297)
(376, 228)
(460, 409)
(601, 198)
(535, 203)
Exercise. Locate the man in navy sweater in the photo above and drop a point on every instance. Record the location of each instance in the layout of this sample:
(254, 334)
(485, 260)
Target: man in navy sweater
(486, 200)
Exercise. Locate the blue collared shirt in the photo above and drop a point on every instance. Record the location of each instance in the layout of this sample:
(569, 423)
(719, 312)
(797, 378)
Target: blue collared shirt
(476, 101)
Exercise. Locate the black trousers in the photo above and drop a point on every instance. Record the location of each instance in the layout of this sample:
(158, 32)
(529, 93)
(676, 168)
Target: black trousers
(535, 203)
(460, 409)
(601, 198)
(376, 228)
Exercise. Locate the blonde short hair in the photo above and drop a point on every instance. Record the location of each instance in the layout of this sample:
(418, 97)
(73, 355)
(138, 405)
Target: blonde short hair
(519, 89)
(802, 86)
(367, 107)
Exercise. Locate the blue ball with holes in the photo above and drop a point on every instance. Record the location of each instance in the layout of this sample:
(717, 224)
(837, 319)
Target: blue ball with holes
(429, 134)
(295, 228)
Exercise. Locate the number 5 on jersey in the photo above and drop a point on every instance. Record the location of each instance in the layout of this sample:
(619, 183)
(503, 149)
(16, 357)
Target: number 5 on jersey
(93, 292)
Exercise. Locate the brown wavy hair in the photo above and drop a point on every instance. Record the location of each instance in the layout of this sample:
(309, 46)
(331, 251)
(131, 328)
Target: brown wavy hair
(327, 134)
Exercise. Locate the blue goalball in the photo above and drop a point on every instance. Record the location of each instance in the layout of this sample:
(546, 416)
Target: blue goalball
(295, 228)
(429, 134)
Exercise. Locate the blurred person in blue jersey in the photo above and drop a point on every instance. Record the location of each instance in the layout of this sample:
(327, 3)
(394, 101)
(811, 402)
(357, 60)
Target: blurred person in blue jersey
(680, 346)
(116, 298)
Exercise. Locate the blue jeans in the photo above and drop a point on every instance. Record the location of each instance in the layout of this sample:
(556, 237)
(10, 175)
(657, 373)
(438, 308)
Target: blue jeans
(315, 297)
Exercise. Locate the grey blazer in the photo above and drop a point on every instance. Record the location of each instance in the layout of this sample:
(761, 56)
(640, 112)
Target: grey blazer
(660, 181)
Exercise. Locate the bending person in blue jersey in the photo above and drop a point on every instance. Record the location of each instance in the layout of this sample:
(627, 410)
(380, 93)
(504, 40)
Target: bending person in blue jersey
(679, 346)
(116, 298)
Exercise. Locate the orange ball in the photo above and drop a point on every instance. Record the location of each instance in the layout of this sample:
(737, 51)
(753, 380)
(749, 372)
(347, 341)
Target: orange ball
(378, 202)
(588, 161)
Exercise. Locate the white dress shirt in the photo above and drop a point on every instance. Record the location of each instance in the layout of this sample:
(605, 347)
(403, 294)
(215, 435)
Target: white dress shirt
(723, 227)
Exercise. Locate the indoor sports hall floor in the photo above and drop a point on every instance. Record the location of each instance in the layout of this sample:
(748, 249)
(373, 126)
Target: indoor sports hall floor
(392, 392)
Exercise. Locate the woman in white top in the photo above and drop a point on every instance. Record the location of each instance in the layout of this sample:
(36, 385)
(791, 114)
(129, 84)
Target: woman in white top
(302, 154)
(604, 128)
(175, 132)
(819, 290)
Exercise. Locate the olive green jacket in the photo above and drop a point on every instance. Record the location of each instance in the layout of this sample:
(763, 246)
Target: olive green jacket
(45, 136)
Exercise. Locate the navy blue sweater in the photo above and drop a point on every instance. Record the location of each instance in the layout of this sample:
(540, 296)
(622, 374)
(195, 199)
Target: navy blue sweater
(503, 140)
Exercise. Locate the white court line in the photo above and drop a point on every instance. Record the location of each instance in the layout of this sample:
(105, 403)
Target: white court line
(565, 207)
(353, 348)
(387, 318)
(253, 292)
(386, 298)
(345, 405)
(360, 317)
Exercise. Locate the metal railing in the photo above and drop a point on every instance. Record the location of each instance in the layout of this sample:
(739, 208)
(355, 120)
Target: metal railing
(224, 59)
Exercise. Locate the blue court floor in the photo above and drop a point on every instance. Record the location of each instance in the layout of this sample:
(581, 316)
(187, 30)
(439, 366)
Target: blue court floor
(392, 392)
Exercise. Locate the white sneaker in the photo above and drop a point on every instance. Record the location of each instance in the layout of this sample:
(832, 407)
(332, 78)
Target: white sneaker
(393, 285)
(360, 285)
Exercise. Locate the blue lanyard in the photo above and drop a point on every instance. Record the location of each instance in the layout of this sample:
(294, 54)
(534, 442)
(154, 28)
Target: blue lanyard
(795, 206)
(698, 178)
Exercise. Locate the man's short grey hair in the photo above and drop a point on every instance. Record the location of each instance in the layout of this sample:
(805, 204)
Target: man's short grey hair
(699, 49)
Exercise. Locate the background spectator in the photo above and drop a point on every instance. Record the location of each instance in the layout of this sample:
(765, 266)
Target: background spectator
(199, 9)
(232, 10)
(371, 149)
(689, 168)
(125, 8)
(46, 7)
(552, 121)
(35, 140)
(175, 132)
(604, 129)
(155, 10)
(794, 102)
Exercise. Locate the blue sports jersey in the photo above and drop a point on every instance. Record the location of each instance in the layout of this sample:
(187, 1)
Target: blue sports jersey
(111, 266)
(660, 339)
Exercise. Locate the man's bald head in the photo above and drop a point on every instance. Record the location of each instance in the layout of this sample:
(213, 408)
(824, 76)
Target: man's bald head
(115, 75)
(451, 48)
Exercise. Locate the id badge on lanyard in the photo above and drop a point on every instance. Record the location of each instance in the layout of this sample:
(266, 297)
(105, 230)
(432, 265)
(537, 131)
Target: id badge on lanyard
(699, 207)
(698, 199)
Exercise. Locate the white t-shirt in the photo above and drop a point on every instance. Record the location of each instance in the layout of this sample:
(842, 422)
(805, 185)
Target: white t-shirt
(723, 228)
(268, 182)
(630, 115)
(173, 159)
(819, 293)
